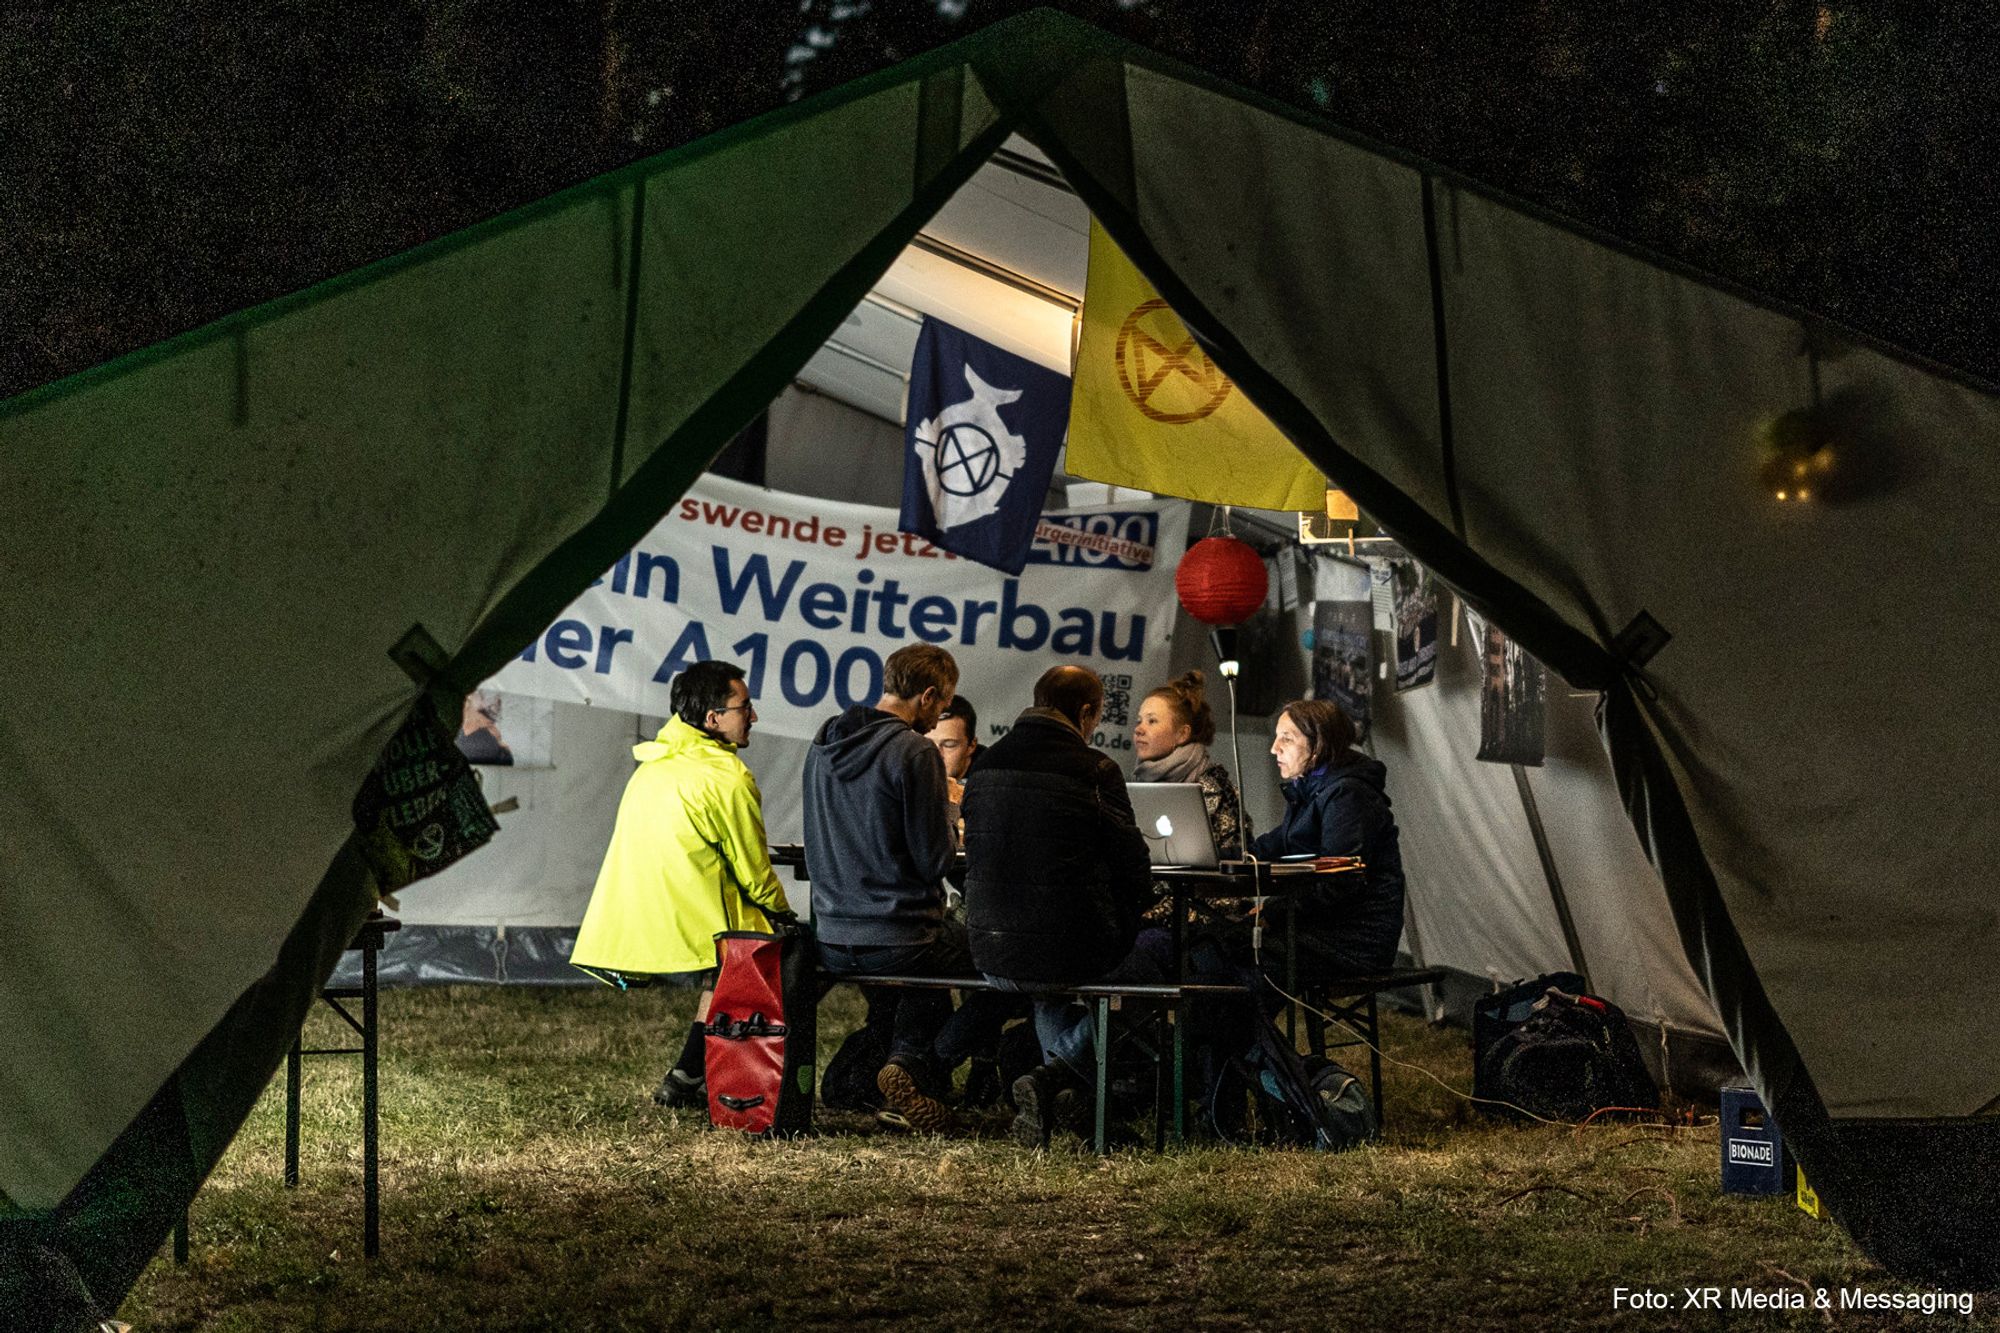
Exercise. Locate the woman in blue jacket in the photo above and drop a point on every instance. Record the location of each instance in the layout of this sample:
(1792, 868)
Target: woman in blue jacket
(1345, 925)
(1335, 805)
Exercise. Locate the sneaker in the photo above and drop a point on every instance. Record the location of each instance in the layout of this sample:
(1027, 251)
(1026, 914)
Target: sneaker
(921, 1111)
(678, 1089)
(1034, 1109)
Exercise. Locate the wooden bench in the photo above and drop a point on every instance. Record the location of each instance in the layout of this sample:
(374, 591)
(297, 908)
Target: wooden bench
(1104, 1000)
(1351, 1000)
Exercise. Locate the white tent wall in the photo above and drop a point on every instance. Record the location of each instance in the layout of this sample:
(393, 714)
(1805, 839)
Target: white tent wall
(557, 830)
(1480, 902)
(509, 912)
(1622, 918)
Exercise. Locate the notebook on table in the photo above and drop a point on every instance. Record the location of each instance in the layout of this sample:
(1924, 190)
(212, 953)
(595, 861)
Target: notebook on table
(1174, 820)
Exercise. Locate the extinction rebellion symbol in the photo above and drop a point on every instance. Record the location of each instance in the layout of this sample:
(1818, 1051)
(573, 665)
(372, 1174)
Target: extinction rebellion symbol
(968, 459)
(969, 454)
(429, 842)
(1163, 370)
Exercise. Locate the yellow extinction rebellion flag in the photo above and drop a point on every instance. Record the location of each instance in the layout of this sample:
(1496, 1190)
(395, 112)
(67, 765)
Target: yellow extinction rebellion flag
(1148, 408)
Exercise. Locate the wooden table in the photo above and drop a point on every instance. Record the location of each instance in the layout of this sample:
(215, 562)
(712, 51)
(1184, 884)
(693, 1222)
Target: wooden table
(1228, 881)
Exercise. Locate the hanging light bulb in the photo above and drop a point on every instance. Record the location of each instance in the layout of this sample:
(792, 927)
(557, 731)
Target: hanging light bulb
(1796, 445)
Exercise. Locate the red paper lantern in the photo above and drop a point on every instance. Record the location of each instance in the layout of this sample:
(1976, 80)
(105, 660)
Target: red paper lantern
(1220, 581)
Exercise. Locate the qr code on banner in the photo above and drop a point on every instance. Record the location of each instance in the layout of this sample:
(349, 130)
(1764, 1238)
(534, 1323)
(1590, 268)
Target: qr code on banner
(1117, 701)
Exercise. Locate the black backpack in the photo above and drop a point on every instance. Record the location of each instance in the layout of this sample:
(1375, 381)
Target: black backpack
(1345, 1105)
(1310, 1101)
(849, 1082)
(1572, 1055)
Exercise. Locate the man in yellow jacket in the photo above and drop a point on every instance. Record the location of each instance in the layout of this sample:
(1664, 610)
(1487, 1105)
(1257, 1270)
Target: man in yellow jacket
(687, 857)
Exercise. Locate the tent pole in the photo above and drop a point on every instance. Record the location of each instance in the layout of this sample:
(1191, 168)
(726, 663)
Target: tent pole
(1433, 993)
(1548, 860)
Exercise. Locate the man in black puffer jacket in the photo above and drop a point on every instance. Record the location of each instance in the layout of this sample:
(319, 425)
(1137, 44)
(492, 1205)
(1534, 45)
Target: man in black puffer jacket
(1056, 875)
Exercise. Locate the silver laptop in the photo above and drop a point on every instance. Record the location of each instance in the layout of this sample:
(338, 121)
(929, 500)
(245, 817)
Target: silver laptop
(1174, 821)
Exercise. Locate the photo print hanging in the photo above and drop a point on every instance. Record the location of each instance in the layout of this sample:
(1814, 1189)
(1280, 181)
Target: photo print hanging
(1416, 625)
(1512, 697)
(496, 727)
(1343, 667)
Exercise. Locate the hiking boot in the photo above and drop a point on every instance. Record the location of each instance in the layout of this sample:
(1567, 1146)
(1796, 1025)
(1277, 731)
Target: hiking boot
(919, 1110)
(1034, 1108)
(678, 1089)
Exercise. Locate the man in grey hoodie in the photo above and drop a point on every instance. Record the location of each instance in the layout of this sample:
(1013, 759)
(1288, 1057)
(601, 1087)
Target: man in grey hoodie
(878, 843)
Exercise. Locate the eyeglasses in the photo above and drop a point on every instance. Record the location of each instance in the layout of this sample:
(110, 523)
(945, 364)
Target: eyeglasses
(747, 707)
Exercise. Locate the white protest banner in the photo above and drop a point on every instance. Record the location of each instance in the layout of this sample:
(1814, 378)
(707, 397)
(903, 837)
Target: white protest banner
(809, 597)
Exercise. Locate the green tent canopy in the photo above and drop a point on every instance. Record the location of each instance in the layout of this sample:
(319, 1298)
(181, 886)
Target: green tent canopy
(214, 545)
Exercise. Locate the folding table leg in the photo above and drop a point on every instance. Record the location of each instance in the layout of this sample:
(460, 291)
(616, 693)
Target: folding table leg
(292, 1062)
(1316, 1039)
(1375, 1058)
(1291, 971)
(371, 1209)
(1103, 1065)
(1180, 1078)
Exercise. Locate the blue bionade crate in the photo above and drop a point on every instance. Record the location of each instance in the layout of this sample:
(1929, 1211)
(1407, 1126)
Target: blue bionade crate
(1753, 1151)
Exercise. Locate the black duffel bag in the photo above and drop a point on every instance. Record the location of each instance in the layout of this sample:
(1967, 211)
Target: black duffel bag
(1495, 1015)
(1572, 1055)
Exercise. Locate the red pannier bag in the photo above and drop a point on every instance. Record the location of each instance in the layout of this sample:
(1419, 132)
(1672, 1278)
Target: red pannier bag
(762, 1033)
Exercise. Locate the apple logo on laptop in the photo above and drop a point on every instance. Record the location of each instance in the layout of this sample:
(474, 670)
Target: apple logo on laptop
(1165, 826)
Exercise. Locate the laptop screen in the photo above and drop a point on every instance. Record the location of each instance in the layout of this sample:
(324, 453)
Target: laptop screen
(1174, 821)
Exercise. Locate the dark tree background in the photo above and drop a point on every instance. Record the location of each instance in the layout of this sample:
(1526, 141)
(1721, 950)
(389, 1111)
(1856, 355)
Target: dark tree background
(164, 164)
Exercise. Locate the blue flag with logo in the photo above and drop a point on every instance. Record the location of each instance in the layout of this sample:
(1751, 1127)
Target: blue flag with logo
(984, 427)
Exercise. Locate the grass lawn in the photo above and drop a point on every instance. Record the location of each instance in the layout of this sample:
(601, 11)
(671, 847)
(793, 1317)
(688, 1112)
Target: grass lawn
(528, 1183)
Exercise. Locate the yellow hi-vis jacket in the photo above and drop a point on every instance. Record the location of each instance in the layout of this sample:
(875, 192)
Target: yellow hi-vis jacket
(687, 859)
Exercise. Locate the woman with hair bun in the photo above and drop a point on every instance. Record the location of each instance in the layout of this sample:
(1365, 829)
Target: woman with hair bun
(1171, 739)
